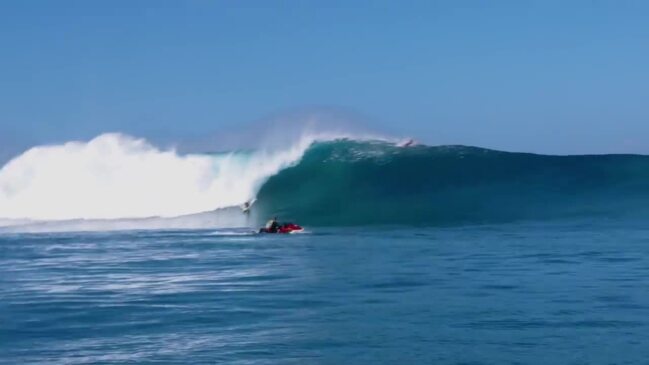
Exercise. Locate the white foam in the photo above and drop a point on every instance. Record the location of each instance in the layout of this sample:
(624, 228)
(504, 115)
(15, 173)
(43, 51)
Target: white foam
(118, 176)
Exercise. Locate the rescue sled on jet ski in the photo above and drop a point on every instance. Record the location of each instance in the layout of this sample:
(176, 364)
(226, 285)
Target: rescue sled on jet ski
(283, 228)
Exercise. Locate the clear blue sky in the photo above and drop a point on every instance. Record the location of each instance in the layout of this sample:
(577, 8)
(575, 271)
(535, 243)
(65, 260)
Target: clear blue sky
(542, 76)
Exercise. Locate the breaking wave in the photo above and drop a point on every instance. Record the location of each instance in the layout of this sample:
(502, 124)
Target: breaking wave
(119, 182)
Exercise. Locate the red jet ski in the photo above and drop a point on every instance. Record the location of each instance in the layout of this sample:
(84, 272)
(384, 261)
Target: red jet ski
(283, 228)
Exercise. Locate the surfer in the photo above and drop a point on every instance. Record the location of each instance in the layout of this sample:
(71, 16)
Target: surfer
(245, 208)
(409, 143)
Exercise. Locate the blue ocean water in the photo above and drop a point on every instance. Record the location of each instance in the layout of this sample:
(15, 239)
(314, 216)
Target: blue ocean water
(552, 292)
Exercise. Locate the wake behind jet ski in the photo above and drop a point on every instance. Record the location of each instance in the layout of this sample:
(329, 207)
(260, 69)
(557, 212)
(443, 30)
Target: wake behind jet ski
(274, 227)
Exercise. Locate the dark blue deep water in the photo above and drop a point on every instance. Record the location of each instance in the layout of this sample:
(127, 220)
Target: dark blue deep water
(543, 293)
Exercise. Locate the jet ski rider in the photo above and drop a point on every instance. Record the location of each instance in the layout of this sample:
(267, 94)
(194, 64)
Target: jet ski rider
(272, 225)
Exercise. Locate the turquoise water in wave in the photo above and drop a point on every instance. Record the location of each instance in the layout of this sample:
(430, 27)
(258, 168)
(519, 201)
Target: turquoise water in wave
(569, 292)
(354, 183)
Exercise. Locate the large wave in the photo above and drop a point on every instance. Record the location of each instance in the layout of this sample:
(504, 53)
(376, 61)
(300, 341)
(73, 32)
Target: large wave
(120, 182)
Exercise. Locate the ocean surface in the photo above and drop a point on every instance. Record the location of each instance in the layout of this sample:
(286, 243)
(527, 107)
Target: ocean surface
(551, 292)
(115, 251)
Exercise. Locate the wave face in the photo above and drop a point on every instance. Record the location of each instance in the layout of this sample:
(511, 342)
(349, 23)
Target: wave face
(365, 183)
(117, 176)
